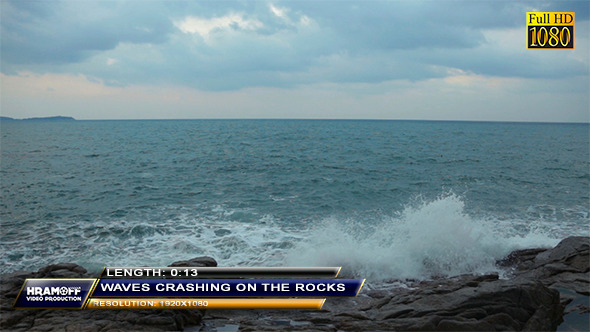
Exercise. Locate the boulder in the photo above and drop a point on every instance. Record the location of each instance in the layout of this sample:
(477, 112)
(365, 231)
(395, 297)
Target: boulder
(88, 320)
(202, 261)
(545, 287)
(543, 283)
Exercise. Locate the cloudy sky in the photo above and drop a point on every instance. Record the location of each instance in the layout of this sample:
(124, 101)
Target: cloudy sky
(437, 60)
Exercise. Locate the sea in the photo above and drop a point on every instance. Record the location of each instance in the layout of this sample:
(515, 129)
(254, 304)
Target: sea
(383, 199)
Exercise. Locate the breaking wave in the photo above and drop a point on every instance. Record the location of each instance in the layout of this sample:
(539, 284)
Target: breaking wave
(430, 239)
(426, 239)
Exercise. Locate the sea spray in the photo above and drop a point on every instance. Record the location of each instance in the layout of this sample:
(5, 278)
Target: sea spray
(435, 238)
(424, 240)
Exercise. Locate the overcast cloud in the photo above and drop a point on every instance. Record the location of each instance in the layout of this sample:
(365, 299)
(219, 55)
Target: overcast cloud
(294, 59)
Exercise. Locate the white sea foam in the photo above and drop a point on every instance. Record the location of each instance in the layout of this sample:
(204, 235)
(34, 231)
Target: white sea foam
(426, 239)
(231, 243)
(434, 238)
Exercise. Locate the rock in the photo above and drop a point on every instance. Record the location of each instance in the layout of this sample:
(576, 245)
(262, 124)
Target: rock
(62, 270)
(492, 304)
(531, 300)
(88, 320)
(520, 258)
(575, 247)
(543, 283)
(203, 261)
(566, 266)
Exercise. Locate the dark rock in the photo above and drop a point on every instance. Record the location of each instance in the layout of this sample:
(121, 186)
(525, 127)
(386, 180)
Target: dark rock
(88, 320)
(62, 270)
(464, 325)
(543, 283)
(529, 301)
(569, 248)
(203, 261)
(519, 257)
(565, 267)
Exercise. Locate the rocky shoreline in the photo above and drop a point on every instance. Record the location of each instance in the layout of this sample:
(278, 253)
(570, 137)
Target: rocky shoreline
(548, 290)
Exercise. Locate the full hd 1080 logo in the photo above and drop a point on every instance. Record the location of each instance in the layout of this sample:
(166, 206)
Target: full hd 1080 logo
(550, 29)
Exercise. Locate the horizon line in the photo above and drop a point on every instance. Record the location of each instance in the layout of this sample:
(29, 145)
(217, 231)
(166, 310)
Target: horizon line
(305, 119)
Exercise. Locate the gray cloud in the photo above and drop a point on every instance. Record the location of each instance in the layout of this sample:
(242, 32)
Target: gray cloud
(40, 32)
(127, 43)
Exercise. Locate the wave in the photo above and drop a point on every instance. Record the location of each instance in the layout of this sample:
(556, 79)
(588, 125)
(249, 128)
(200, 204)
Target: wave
(429, 239)
(425, 240)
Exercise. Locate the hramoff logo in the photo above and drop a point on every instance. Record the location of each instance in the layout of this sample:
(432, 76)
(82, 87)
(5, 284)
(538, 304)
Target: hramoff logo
(54, 294)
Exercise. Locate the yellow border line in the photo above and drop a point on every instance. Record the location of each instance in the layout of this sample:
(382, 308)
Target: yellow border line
(21, 290)
(212, 303)
(90, 292)
(357, 292)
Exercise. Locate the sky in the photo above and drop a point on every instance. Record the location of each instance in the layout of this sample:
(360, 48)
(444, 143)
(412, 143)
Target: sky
(425, 60)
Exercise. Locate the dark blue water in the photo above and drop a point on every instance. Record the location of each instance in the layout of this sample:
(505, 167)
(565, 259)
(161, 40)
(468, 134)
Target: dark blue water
(278, 192)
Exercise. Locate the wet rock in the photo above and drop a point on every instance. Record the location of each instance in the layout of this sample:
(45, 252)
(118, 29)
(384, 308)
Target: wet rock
(544, 284)
(88, 320)
(529, 301)
(62, 270)
(203, 261)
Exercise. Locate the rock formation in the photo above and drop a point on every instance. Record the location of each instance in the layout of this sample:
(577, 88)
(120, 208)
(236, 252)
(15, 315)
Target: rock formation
(544, 285)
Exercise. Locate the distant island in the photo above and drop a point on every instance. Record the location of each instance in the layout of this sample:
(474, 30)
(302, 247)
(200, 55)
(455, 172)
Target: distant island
(49, 118)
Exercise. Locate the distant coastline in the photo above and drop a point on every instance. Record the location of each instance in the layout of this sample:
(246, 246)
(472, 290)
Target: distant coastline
(68, 118)
(49, 118)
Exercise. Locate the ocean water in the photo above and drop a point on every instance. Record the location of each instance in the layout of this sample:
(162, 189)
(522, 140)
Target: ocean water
(382, 199)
